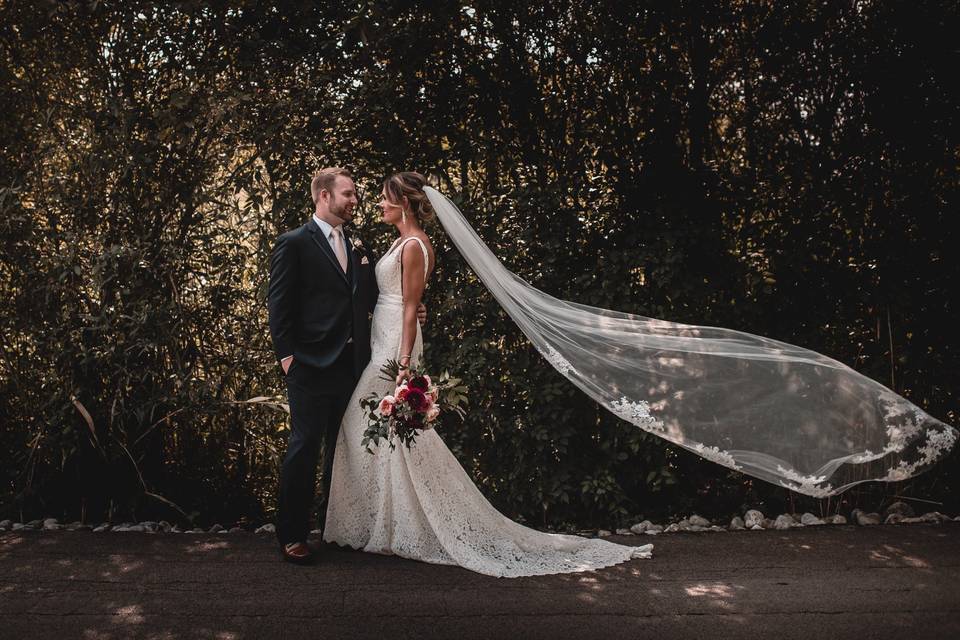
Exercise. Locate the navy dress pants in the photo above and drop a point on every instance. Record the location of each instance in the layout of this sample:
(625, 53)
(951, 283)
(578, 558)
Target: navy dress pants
(318, 398)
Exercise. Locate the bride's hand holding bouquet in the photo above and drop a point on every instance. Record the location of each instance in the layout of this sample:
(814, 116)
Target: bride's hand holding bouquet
(416, 404)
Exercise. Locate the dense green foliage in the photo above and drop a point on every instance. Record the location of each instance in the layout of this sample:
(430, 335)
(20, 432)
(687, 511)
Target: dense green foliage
(788, 169)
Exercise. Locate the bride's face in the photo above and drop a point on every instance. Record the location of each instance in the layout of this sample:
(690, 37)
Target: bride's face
(392, 213)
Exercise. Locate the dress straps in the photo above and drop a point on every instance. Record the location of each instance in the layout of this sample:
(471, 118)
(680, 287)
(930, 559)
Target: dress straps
(426, 254)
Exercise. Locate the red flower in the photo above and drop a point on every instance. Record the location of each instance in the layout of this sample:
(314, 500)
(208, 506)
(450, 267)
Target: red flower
(416, 399)
(420, 382)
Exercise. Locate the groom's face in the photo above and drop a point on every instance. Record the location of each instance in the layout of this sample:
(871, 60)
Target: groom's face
(343, 198)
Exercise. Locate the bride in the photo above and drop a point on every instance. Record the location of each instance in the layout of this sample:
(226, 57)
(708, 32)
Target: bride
(775, 411)
(419, 503)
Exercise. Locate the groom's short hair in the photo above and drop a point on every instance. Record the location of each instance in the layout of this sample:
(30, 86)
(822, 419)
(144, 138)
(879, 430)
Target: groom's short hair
(324, 180)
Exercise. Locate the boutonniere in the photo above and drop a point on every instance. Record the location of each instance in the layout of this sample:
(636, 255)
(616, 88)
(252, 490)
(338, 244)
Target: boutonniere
(356, 243)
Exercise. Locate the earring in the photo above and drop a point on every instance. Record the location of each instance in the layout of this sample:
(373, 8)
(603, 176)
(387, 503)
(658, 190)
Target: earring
(403, 214)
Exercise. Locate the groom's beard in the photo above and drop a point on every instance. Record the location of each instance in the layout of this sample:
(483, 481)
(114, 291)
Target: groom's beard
(339, 209)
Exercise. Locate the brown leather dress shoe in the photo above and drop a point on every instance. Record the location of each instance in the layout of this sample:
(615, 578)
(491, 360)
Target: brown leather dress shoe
(297, 553)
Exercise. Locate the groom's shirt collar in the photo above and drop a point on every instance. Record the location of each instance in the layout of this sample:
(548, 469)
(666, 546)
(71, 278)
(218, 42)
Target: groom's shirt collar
(325, 226)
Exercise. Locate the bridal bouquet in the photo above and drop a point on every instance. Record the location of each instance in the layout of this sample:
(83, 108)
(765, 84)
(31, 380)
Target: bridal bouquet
(414, 406)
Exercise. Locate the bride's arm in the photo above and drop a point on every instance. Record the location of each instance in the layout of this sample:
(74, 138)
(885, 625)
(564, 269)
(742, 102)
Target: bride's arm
(411, 263)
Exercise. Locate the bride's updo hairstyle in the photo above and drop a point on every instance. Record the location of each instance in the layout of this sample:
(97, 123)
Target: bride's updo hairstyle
(409, 184)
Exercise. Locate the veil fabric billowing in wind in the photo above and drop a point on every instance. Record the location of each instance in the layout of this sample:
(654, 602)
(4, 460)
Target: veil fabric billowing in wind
(775, 411)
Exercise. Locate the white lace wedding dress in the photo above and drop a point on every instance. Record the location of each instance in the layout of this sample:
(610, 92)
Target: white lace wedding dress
(419, 503)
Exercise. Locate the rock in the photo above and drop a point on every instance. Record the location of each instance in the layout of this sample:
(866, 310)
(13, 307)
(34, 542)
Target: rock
(176, 529)
(716, 527)
(934, 516)
(49, 521)
(699, 521)
(810, 519)
(652, 532)
(316, 532)
(893, 518)
(956, 518)
(34, 524)
(752, 518)
(150, 526)
(671, 528)
(756, 527)
(236, 529)
(53, 526)
(100, 528)
(641, 527)
(656, 528)
(267, 528)
(216, 528)
(693, 527)
(5, 524)
(139, 528)
(737, 524)
(604, 533)
(164, 526)
(768, 523)
(865, 519)
(18, 526)
(899, 508)
(783, 521)
(624, 532)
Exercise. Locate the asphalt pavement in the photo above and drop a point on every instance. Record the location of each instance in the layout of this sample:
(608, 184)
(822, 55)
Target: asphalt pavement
(890, 581)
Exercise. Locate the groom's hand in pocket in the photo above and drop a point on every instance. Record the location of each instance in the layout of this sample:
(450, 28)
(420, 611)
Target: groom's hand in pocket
(421, 314)
(285, 364)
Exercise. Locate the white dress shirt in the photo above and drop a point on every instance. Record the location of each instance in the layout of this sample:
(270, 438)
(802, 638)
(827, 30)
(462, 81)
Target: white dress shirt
(327, 230)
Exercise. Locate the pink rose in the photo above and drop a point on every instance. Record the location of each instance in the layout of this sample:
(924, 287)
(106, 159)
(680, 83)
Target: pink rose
(401, 392)
(386, 405)
(432, 413)
(433, 394)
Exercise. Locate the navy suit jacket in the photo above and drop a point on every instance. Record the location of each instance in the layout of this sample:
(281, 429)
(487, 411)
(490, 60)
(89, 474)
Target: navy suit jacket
(314, 306)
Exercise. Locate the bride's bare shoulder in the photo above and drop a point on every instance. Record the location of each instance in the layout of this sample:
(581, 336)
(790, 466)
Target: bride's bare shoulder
(415, 254)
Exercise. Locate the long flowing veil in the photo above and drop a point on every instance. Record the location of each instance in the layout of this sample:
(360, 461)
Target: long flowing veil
(769, 409)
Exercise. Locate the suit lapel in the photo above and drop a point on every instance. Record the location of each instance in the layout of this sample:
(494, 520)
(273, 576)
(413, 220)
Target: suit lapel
(351, 260)
(325, 247)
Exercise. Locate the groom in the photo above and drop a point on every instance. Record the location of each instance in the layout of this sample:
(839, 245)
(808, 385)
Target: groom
(322, 288)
